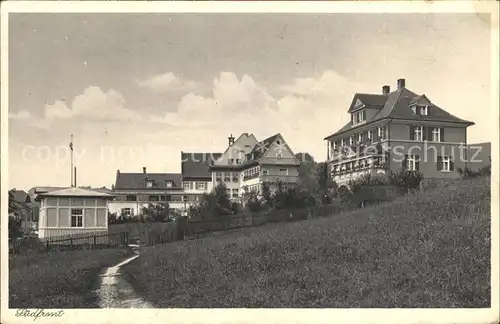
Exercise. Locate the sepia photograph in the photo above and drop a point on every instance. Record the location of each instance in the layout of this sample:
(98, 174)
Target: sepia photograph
(248, 156)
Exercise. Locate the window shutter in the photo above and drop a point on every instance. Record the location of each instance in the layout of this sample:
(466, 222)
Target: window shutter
(452, 165)
(375, 135)
(405, 163)
(417, 163)
(439, 163)
(363, 113)
(429, 133)
(412, 133)
(424, 134)
(441, 134)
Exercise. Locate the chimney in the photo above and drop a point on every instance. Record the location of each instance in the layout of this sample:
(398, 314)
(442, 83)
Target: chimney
(401, 84)
(75, 177)
(144, 170)
(386, 89)
(231, 140)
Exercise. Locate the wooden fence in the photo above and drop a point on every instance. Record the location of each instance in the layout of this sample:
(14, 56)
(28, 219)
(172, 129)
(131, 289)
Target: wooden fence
(149, 233)
(28, 245)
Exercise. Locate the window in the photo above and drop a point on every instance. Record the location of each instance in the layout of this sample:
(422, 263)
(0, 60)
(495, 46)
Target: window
(361, 116)
(422, 110)
(236, 177)
(76, 217)
(131, 198)
(360, 137)
(381, 133)
(444, 164)
(278, 142)
(235, 193)
(334, 145)
(284, 171)
(355, 118)
(238, 161)
(351, 140)
(149, 183)
(126, 212)
(218, 176)
(230, 161)
(168, 184)
(436, 134)
(412, 162)
(344, 142)
(264, 172)
(370, 135)
(279, 156)
(226, 176)
(417, 133)
(200, 185)
(154, 198)
(186, 185)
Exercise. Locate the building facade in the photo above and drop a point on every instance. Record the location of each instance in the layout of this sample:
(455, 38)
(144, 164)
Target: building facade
(397, 130)
(134, 191)
(72, 211)
(247, 164)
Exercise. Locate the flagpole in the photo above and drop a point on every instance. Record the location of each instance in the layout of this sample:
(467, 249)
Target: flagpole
(71, 148)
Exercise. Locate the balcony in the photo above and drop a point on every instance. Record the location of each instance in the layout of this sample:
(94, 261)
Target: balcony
(251, 176)
(357, 168)
(279, 178)
(357, 150)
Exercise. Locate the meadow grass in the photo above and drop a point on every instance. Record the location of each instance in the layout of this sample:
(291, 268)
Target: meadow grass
(62, 279)
(428, 249)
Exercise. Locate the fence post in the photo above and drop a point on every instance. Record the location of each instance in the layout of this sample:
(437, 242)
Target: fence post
(181, 227)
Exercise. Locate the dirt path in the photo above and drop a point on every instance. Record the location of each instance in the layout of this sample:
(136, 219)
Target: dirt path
(116, 292)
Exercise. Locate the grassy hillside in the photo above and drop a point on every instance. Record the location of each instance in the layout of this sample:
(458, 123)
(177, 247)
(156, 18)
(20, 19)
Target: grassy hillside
(64, 279)
(426, 250)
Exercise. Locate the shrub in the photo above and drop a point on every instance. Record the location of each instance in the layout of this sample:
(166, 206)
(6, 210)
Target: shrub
(406, 179)
(155, 212)
(15, 230)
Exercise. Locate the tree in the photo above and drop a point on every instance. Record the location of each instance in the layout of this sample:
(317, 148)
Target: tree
(156, 212)
(213, 204)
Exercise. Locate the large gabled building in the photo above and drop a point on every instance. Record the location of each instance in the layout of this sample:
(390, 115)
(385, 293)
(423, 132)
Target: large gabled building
(247, 164)
(397, 130)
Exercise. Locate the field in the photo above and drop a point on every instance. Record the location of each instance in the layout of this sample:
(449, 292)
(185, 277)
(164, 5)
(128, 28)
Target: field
(64, 279)
(428, 249)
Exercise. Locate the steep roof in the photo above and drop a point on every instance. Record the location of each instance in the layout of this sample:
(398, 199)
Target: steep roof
(256, 154)
(138, 180)
(397, 106)
(195, 171)
(370, 100)
(196, 166)
(261, 148)
(74, 192)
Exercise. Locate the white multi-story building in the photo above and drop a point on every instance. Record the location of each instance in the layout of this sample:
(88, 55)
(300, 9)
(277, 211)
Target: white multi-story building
(247, 164)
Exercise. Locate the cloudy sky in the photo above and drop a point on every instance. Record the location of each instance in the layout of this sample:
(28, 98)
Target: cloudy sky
(137, 89)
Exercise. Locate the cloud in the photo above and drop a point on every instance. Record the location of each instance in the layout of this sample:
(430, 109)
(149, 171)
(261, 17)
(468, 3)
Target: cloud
(93, 104)
(22, 115)
(167, 82)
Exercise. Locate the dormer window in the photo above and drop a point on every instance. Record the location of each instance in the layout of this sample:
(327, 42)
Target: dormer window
(168, 184)
(358, 117)
(421, 110)
(149, 183)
